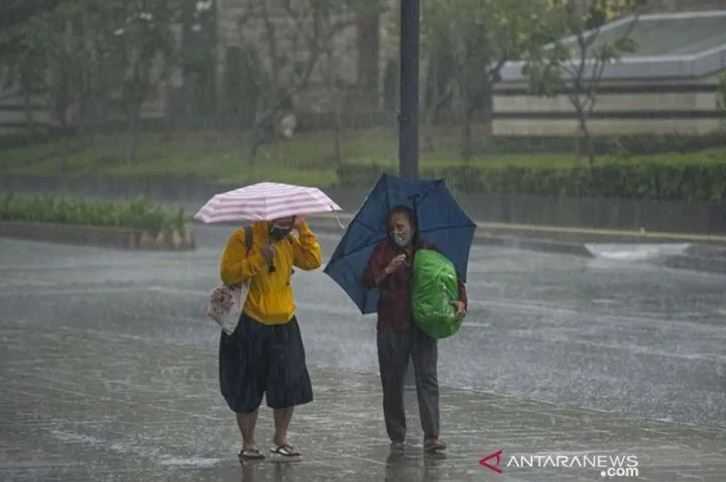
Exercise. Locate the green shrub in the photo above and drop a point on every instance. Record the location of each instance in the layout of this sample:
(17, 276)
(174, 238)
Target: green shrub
(137, 214)
(354, 174)
(641, 144)
(641, 181)
(459, 178)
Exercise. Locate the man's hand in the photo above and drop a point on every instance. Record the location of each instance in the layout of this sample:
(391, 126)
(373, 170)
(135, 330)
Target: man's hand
(395, 264)
(460, 308)
(299, 221)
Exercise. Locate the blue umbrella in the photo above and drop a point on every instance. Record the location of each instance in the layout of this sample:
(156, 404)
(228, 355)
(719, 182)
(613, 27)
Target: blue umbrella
(440, 221)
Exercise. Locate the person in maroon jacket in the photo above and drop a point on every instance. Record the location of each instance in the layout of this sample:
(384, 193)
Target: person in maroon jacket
(390, 270)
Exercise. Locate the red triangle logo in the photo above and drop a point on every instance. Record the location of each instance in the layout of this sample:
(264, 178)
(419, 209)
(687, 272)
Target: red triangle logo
(487, 461)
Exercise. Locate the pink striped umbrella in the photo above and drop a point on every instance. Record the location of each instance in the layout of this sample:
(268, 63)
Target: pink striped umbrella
(265, 201)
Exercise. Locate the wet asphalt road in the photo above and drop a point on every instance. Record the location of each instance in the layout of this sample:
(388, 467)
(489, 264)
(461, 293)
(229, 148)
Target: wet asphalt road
(633, 339)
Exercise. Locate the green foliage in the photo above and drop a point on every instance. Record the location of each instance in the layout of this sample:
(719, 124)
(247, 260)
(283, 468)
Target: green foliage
(141, 36)
(657, 144)
(705, 182)
(201, 158)
(138, 214)
(87, 53)
(465, 46)
(460, 178)
(466, 42)
(358, 174)
(575, 59)
(574, 34)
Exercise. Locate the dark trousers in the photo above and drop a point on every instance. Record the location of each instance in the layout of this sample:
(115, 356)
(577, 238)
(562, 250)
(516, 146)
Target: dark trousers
(394, 350)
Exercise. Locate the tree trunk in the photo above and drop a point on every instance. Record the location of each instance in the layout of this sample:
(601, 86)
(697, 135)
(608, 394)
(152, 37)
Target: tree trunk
(466, 138)
(585, 146)
(264, 131)
(28, 105)
(589, 149)
(589, 143)
(488, 112)
(133, 132)
(255, 143)
(337, 144)
(368, 46)
(432, 102)
(335, 94)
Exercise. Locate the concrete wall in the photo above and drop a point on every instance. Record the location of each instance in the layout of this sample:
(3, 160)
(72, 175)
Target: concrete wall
(588, 212)
(686, 107)
(612, 126)
(684, 5)
(13, 116)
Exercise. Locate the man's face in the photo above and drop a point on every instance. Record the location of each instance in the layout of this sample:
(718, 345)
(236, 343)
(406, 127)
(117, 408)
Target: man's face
(401, 230)
(281, 227)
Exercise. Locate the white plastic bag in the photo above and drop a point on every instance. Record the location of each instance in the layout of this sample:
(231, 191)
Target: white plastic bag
(225, 305)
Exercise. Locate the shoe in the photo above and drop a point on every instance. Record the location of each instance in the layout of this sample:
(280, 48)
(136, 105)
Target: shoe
(397, 446)
(434, 445)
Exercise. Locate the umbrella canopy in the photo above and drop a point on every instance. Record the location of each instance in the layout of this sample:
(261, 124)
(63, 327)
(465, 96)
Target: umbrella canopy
(440, 221)
(265, 201)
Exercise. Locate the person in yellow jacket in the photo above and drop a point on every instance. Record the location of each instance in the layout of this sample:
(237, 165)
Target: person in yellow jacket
(265, 354)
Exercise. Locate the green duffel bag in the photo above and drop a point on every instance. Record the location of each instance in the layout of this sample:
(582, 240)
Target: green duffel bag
(435, 287)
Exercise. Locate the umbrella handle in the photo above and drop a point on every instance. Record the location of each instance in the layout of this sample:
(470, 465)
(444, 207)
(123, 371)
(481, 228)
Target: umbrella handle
(340, 223)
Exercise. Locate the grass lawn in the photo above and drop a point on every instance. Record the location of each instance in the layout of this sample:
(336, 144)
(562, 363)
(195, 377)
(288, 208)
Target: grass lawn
(306, 159)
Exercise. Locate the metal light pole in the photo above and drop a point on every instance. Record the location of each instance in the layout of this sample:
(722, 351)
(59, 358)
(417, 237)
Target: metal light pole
(408, 118)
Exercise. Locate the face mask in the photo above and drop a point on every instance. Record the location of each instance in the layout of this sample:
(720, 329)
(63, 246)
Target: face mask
(278, 232)
(402, 239)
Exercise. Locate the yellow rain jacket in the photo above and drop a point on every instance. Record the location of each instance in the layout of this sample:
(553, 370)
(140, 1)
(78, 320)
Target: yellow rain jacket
(270, 299)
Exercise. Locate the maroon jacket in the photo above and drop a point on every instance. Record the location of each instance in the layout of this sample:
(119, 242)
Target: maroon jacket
(394, 304)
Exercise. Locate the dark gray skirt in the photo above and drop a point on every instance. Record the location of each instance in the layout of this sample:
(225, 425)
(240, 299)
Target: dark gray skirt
(259, 360)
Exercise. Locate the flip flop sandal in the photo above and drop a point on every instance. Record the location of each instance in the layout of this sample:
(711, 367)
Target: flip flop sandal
(250, 454)
(286, 451)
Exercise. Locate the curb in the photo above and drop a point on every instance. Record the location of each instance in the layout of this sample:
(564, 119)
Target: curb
(482, 236)
(534, 244)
